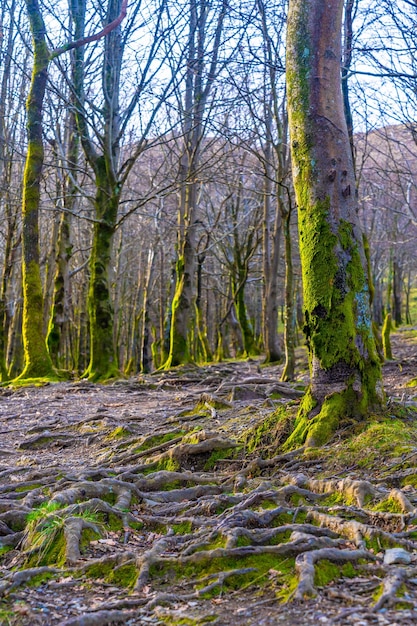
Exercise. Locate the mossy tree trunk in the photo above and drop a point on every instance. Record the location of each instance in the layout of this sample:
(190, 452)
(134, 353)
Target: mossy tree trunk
(290, 302)
(397, 284)
(239, 279)
(386, 339)
(203, 350)
(146, 339)
(344, 365)
(37, 360)
(9, 225)
(271, 255)
(59, 338)
(275, 144)
(103, 354)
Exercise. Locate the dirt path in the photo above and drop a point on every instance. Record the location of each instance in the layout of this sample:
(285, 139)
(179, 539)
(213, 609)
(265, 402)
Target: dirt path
(145, 502)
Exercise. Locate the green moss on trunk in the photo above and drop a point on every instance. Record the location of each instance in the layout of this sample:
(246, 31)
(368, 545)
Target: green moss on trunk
(103, 357)
(37, 359)
(181, 320)
(386, 341)
(344, 364)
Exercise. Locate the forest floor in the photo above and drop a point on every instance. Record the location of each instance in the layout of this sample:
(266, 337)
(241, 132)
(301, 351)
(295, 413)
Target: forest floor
(167, 500)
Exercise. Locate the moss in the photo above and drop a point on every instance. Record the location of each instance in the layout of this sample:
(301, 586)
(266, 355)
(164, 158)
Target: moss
(217, 455)
(324, 572)
(388, 505)
(268, 504)
(386, 339)
(184, 528)
(281, 537)
(4, 550)
(111, 520)
(169, 465)
(124, 575)
(218, 542)
(261, 565)
(156, 440)
(317, 430)
(380, 439)
(25, 488)
(87, 536)
(268, 435)
(297, 499)
(118, 433)
(409, 480)
(40, 579)
(243, 541)
(99, 570)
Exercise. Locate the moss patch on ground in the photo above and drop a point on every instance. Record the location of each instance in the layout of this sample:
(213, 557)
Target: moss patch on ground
(267, 436)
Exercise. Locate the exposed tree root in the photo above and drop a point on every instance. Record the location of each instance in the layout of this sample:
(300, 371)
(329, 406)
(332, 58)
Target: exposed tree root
(152, 516)
(304, 564)
(101, 618)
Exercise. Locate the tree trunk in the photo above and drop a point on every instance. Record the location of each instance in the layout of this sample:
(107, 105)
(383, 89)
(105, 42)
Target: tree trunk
(37, 360)
(290, 304)
(103, 356)
(58, 335)
(146, 343)
(344, 365)
(397, 281)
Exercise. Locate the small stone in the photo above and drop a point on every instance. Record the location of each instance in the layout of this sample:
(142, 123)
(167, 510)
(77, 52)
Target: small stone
(397, 555)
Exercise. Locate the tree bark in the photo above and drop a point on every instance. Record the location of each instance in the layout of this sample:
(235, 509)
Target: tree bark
(37, 360)
(344, 365)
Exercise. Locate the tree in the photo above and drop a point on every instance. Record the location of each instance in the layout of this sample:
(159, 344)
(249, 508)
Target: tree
(201, 72)
(10, 168)
(102, 130)
(344, 365)
(38, 363)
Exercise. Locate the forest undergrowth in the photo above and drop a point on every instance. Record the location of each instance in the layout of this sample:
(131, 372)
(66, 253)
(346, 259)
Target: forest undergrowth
(169, 499)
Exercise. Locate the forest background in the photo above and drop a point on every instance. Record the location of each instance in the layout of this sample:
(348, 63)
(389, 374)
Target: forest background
(167, 222)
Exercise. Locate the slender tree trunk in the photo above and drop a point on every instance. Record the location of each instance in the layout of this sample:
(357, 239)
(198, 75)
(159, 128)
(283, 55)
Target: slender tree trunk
(103, 355)
(58, 330)
(271, 253)
(290, 304)
(37, 360)
(203, 348)
(6, 47)
(397, 292)
(344, 365)
(146, 344)
(197, 91)
(238, 292)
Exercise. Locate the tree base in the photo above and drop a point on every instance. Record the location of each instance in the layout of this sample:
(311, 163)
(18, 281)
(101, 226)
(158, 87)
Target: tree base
(314, 427)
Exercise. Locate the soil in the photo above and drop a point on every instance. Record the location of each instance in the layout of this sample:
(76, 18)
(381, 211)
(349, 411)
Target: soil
(114, 451)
